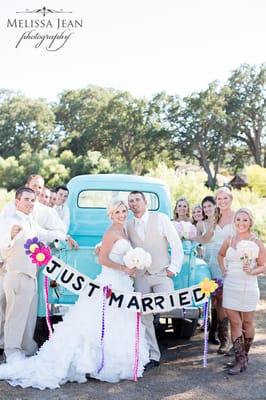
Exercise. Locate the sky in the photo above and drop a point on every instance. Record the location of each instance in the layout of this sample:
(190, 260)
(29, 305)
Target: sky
(143, 46)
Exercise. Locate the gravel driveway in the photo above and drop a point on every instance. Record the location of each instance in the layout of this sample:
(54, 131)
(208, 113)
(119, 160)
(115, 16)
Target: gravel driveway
(180, 376)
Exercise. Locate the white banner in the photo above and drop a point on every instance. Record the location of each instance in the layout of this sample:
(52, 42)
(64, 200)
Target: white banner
(77, 283)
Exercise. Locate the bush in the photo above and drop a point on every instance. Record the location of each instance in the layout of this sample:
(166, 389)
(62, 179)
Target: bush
(5, 197)
(257, 179)
(191, 186)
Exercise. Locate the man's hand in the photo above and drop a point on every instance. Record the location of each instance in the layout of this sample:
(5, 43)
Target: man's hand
(170, 273)
(15, 230)
(72, 243)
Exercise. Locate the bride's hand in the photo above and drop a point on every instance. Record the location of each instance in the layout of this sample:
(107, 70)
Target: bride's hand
(130, 271)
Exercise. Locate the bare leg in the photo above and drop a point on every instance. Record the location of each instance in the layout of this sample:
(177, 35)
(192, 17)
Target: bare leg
(235, 318)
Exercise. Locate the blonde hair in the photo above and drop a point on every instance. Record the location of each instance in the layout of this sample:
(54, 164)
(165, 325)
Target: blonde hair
(246, 211)
(224, 189)
(114, 206)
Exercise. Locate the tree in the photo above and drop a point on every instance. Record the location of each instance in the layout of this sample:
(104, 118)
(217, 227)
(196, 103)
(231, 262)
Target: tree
(133, 130)
(200, 129)
(246, 104)
(12, 175)
(91, 163)
(22, 121)
(77, 118)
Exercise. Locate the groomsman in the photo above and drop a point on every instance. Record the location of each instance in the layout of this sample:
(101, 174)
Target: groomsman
(61, 207)
(45, 216)
(20, 283)
(155, 233)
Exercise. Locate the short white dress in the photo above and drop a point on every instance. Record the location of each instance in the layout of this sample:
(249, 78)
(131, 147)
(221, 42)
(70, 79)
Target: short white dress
(240, 290)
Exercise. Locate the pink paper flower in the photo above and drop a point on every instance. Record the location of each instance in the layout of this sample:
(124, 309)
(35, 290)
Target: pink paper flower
(41, 256)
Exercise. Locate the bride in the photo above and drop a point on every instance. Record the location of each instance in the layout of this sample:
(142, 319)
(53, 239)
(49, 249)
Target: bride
(74, 350)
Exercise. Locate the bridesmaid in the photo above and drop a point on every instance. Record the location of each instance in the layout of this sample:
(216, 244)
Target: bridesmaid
(205, 230)
(197, 214)
(223, 229)
(242, 258)
(181, 210)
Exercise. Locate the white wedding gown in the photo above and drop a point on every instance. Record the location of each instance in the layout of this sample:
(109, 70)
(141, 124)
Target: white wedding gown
(74, 349)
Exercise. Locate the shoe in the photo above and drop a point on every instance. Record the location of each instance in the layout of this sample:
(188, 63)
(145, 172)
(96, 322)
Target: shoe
(223, 336)
(240, 357)
(151, 364)
(1, 351)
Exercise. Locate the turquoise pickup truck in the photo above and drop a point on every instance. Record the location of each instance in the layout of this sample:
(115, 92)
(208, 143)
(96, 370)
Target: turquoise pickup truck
(88, 197)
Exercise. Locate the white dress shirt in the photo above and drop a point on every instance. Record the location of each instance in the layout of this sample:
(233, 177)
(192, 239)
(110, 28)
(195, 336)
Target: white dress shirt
(167, 230)
(64, 214)
(28, 224)
(46, 217)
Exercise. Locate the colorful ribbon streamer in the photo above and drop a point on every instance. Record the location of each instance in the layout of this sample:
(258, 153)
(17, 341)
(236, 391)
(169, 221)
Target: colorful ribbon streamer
(136, 352)
(205, 353)
(106, 291)
(48, 320)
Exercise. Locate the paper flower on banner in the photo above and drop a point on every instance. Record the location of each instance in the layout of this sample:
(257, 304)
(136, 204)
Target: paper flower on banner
(219, 287)
(137, 258)
(31, 245)
(41, 256)
(208, 286)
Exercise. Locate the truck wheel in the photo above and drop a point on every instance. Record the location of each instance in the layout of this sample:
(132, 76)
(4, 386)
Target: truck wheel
(184, 328)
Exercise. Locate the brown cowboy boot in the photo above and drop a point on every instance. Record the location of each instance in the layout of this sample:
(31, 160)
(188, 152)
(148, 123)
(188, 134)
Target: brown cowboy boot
(223, 336)
(240, 357)
(247, 344)
(213, 328)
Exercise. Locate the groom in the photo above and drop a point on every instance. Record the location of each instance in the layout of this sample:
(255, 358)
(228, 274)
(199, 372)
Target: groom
(153, 232)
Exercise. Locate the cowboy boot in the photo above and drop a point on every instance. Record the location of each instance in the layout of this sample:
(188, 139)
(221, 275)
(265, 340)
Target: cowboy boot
(223, 335)
(247, 344)
(213, 328)
(240, 357)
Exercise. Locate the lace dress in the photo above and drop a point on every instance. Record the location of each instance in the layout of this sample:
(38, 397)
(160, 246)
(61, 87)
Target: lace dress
(74, 349)
(240, 290)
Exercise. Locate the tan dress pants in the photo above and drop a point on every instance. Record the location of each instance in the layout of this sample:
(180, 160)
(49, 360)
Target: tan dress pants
(159, 283)
(21, 313)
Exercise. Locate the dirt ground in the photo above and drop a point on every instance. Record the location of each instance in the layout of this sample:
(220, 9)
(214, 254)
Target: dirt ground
(180, 376)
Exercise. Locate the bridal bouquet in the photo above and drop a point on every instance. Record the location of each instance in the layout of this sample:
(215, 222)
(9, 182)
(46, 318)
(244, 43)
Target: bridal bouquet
(137, 258)
(248, 251)
(186, 230)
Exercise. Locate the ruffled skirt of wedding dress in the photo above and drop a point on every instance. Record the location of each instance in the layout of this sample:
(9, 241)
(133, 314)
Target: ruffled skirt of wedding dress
(75, 347)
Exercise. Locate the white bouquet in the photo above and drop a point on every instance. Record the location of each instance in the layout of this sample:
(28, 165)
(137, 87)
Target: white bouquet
(137, 258)
(248, 251)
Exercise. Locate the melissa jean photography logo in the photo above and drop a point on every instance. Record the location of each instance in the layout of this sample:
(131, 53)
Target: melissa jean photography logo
(44, 28)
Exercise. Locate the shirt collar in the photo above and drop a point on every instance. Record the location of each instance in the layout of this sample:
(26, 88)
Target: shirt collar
(23, 216)
(142, 219)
